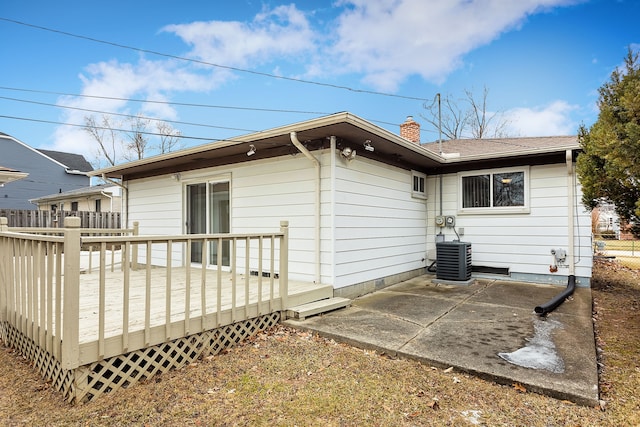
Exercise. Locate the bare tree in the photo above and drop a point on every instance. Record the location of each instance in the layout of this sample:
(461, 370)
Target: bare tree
(105, 136)
(115, 143)
(446, 113)
(481, 122)
(169, 137)
(466, 117)
(136, 146)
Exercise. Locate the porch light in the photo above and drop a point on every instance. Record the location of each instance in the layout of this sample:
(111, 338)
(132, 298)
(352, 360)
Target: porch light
(252, 150)
(348, 153)
(368, 146)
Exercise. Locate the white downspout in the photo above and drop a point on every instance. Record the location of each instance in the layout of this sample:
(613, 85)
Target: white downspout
(110, 200)
(571, 195)
(316, 163)
(125, 198)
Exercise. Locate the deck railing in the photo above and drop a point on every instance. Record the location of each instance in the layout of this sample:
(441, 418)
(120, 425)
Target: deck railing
(45, 288)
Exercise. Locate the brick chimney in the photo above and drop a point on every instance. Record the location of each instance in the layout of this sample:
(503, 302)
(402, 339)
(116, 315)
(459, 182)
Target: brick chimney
(410, 130)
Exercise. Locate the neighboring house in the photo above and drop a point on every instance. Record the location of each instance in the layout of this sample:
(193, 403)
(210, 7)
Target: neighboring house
(605, 220)
(607, 224)
(97, 198)
(364, 204)
(48, 172)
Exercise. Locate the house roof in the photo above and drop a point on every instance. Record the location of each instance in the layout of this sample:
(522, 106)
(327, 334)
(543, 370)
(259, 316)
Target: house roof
(350, 131)
(73, 162)
(8, 175)
(467, 153)
(76, 193)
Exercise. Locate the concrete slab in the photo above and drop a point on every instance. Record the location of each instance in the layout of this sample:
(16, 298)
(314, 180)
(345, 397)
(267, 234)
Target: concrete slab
(469, 327)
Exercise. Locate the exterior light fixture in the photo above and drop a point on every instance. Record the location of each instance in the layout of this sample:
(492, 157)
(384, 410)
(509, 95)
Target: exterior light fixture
(348, 153)
(252, 150)
(368, 146)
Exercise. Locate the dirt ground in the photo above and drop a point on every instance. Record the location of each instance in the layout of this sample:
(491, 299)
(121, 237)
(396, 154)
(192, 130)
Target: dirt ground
(292, 378)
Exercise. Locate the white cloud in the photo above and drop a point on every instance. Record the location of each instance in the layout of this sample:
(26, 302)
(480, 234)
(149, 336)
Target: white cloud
(146, 80)
(550, 120)
(389, 40)
(283, 31)
(383, 41)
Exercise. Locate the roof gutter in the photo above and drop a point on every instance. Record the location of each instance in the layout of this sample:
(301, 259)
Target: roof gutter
(452, 158)
(343, 117)
(316, 163)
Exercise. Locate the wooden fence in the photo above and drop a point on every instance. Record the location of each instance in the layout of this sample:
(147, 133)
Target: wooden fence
(50, 219)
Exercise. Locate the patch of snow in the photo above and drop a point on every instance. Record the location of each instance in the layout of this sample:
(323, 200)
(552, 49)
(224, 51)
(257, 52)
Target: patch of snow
(473, 416)
(540, 352)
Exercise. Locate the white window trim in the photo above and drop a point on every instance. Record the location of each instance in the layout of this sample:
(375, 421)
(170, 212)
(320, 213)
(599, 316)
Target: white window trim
(418, 194)
(499, 209)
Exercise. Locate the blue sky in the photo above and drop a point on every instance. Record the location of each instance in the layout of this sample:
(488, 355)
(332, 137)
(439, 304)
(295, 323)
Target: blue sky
(542, 62)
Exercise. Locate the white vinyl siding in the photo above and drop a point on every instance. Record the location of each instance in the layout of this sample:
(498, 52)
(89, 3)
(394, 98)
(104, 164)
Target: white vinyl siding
(522, 242)
(263, 193)
(379, 227)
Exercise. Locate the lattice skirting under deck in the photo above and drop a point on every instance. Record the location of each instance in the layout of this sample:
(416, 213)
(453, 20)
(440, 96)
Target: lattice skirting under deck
(88, 382)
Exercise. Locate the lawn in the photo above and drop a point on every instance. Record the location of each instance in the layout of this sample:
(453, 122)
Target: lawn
(288, 377)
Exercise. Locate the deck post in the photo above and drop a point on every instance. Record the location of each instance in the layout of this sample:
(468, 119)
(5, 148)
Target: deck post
(283, 281)
(4, 265)
(134, 247)
(71, 300)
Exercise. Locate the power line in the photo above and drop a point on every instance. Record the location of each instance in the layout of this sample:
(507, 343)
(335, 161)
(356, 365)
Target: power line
(126, 115)
(28, 119)
(318, 113)
(151, 101)
(226, 67)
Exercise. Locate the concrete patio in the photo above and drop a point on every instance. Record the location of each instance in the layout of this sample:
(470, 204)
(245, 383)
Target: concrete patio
(488, 329)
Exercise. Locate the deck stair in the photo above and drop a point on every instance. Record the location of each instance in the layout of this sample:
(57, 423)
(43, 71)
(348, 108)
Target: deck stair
(317, 307)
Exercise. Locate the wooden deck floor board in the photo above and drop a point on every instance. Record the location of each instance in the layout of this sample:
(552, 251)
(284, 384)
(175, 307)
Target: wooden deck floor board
(114, 291)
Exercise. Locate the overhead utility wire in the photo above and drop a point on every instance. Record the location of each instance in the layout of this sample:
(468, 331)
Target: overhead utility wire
(152, 101)
(226, 67)
(108, 128)
(126, 115)
(184, 104)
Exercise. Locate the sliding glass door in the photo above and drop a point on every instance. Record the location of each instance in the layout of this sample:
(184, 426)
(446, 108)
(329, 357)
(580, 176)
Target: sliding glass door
(208, 212)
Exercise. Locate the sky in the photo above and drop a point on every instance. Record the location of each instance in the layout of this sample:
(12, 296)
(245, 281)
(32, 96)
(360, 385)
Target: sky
(214, 70)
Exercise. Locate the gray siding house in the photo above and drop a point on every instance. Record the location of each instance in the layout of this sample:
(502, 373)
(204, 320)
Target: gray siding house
(48, 172)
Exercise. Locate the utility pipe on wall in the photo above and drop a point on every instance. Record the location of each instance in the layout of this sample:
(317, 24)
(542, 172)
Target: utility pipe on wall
(548, 307)
(316, 163)
(571, 195)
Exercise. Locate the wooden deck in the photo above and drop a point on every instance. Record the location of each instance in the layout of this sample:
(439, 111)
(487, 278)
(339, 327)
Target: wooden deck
(131, 308)
(167, 318)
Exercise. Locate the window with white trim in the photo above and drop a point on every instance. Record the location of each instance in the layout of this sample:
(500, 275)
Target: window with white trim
(419, 185)
(495, 191)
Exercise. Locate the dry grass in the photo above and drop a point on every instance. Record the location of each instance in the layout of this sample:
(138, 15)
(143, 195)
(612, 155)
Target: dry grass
(288, 377)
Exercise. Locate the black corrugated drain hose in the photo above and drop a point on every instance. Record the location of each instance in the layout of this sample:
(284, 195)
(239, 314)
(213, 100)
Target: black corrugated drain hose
(554, 302)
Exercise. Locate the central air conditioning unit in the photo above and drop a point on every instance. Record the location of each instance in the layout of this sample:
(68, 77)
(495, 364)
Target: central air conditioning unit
(453, 260)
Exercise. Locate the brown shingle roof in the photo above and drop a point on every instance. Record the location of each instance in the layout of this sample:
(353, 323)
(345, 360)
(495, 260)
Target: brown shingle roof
(496, 147)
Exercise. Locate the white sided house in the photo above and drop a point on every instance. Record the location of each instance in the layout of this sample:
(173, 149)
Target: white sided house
(365, 206)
